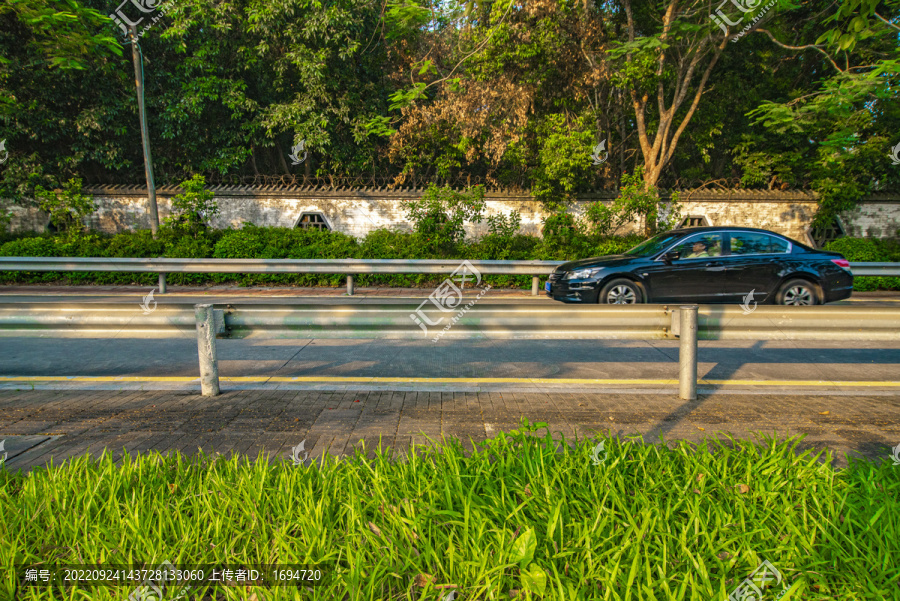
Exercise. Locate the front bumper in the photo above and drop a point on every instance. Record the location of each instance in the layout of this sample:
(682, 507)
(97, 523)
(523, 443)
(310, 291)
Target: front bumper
(576, 291)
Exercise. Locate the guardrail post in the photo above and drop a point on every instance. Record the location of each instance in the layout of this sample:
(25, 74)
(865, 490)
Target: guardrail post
(206, 349)
(349, 285)
(687, 354)
(535, 285)
(162, 283)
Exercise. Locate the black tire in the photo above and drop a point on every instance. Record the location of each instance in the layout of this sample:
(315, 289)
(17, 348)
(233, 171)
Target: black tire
(620, 292)
(797, 293)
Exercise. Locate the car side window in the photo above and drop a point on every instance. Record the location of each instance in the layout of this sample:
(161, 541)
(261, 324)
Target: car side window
(751, 243)
(700, 247)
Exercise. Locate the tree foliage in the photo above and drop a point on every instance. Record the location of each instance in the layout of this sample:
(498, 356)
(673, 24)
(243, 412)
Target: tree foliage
(501, 93)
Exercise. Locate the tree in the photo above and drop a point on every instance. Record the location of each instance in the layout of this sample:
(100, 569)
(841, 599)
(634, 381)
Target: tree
(61, 34)
(843, 124)
(674, 65)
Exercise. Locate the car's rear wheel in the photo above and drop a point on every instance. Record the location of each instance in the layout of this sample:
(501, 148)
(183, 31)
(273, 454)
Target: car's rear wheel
(621, 292)
(798, 293)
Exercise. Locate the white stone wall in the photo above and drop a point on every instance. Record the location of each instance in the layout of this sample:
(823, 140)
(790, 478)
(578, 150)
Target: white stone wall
(876, 219)
(357, 213)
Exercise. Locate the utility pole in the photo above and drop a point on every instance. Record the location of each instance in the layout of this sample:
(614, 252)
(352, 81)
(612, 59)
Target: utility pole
(145, 134)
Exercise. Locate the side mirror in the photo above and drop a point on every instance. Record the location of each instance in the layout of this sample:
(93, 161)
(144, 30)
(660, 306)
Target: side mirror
(672, 255)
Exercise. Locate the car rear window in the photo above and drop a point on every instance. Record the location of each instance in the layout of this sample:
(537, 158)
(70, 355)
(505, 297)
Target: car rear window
(752, 243)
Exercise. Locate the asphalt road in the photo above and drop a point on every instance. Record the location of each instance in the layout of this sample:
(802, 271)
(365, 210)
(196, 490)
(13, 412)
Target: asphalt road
(446, 365)
(524, 365)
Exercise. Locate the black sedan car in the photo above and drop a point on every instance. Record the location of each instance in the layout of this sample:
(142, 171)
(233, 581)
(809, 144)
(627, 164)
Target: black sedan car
(707, 265)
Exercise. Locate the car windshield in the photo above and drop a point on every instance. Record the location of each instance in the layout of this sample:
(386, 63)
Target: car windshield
(654, 245)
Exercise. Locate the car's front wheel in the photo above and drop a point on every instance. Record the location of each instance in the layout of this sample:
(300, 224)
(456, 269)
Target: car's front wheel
(798, 293)
(620, 292)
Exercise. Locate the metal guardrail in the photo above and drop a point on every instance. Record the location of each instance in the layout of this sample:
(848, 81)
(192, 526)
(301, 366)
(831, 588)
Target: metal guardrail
(486, 320)
(355, 266)
(351, 267)
(882, 269)
(483, 321)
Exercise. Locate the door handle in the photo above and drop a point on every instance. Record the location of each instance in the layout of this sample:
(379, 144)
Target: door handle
(715, 266)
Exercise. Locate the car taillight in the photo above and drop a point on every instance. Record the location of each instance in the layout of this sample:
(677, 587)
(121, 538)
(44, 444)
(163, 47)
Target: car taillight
(841, 263)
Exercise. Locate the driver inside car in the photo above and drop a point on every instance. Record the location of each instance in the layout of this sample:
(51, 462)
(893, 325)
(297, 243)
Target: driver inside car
(698, 251)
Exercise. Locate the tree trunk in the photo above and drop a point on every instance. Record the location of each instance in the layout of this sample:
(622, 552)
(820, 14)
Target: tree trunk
(284, 164)
(683, 61)
(253, 160)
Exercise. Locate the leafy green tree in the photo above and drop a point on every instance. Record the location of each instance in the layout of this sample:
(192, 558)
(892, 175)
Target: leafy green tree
(67, 207)
(439, 217)
(839, 126)
(51, 55)
(193, 208)
(60, 34)
(635, 203)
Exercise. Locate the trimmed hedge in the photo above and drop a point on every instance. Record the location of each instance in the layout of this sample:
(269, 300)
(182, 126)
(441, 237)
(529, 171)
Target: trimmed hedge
(867, 250)
(252, 242)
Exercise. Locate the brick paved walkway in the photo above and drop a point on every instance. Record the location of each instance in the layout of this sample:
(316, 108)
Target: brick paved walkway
(252, 421)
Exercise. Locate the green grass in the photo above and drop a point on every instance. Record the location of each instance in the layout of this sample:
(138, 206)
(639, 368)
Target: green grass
(523, 512)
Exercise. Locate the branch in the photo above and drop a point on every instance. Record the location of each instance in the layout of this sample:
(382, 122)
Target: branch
(806, 47)
(486, 40)
(667, 27)
(886, 22)
(695, 103)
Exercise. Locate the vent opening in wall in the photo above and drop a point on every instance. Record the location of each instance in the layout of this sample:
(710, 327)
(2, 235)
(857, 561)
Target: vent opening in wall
(313, 220)
(825, 233)
(695, 221)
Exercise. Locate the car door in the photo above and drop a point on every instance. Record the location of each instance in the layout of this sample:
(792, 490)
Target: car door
(755, 264)
(698, 276)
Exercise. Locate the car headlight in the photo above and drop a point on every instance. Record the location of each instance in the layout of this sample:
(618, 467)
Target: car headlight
(581, 274)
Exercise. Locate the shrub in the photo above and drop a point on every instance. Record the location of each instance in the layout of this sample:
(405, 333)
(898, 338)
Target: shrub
(634, 203)
(38, 246)
(439, 216)
(67, 207)
(285, 243)
(392, 244)
(559, 230)
(503, 230)
(868, 250)
(859, 249)
(192, 209)
(42, 246)
(135, 244)
(503, 243)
